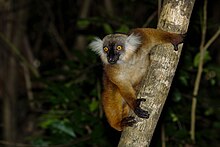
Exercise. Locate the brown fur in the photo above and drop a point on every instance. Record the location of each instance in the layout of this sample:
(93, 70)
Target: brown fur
(121, 80)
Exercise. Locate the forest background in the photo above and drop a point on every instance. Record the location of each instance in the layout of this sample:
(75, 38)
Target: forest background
(50, 82)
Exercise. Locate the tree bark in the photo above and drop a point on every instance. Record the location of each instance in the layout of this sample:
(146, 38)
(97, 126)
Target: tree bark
(12, 30)
(174, 17)
(9, 78)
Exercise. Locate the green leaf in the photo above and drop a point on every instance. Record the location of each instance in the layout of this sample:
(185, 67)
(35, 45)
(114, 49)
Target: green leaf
(184, 77)
(94, 105)
(183, 80)
(177, 95)
(47, 122)
(83, 23)
(209, 111)
(107, 28)
(62, 127)
(207, 57)
(174, 117)
(123, 28)
(213, 82)
(216, 124)
(39, 143)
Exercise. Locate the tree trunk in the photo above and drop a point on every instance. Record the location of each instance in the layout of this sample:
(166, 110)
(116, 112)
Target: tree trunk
(12, 30)
(175, 16)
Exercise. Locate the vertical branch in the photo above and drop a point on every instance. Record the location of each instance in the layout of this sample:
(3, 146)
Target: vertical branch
(163, 136)
(149, 19)
(159, 8)
(199, 74)
(109, 7)
(80, 42)
(9, 78)
(28, 85)
(203, 48)
(53, 30)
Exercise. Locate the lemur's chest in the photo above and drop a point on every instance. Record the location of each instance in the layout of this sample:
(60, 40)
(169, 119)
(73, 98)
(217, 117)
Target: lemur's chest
(134, 70)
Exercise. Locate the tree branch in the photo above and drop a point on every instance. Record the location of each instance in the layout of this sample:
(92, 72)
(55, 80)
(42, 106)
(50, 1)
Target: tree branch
(203, 48)
(8, 44)
(174, 17)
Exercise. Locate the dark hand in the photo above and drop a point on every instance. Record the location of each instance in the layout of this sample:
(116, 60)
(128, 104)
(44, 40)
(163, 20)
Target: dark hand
(178, 40)
(140, 112)
(128, 121)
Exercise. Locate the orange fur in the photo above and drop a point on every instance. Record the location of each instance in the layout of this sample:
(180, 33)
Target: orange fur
(122, 79)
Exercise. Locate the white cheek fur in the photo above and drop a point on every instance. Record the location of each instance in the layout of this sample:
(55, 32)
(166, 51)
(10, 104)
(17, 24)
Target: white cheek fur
(132, 42)
(97, 46)
(104, 58)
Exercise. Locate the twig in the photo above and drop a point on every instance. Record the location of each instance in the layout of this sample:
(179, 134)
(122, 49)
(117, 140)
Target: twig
(27, 75)
(159, 8)
(211, 40)
(16, 51)
(203, 48)
(163, 136)
(199, 74)
(28, 85)
(85, 7)
(109, 7)
(152, 16)
(80, 42)
(54, 32)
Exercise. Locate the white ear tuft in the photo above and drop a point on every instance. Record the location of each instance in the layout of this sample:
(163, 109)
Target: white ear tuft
(133, 42)
(97, 45)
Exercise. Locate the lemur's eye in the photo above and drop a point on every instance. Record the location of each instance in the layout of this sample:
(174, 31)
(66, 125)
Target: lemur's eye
(105, 49)
(119, 47)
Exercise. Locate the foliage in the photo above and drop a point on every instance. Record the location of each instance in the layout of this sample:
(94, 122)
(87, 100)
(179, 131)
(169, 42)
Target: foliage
(69, 104)
(72, 100)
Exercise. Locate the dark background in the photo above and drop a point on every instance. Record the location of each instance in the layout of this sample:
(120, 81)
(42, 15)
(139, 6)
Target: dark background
(50, 82)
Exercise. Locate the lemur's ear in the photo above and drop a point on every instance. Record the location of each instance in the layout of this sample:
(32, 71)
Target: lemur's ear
(133, 42)
(97, 45)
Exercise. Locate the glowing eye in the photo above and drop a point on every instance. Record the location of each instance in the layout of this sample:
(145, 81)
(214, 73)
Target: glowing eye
(105, 49)
(119, 47)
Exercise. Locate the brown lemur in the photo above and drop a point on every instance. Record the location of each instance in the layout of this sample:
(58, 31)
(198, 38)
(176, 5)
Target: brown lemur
(126, 59)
